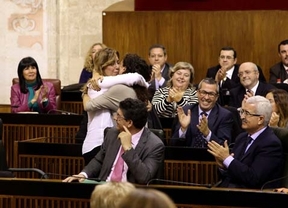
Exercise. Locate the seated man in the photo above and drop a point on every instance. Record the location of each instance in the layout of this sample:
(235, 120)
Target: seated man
(257, 155)
(278, 72)
(226, 73)
(250, 85)
(205, 120)
(160, 68)
(129, 153)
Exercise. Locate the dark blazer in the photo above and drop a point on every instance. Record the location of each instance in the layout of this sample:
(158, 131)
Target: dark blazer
(262, 162)
(165, 75)
(211, 72)
(228, 84)
(143, 161)
(277, 72)
(237, 93)
(220, 122)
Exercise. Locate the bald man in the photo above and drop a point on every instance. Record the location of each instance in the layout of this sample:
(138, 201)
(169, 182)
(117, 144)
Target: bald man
(250, 85)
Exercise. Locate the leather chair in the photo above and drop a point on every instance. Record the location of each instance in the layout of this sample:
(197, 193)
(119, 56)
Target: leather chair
(57, 86)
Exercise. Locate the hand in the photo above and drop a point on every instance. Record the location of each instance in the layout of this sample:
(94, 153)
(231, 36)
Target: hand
(281, 190)
(221, 74)
(125, 138)
(175, 94)
(274, 120)
(156, 71)
(149, 106)
(184, 119)
(203, 126)
(79, 177)
(94, 81)
(219, 152)
(37, 93)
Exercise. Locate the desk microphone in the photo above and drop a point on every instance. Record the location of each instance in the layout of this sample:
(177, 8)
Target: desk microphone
(272, 181)
(207, 185)
(62, 112)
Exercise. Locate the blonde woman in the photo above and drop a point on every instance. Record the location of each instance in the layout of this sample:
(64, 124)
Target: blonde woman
(86, 73)
(178, 92)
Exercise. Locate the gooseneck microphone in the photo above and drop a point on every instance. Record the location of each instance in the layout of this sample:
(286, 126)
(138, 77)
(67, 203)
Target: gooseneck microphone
(207, 185)
(272, 181)
(61, 112)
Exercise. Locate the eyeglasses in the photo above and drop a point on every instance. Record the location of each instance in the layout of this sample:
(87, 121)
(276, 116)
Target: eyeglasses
(227, 57)
(245, 72)
(246, 113)
(210, 94)
(116, 116)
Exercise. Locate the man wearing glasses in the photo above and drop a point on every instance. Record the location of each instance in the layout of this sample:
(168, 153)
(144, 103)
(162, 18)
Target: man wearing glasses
(205, 121)
(130, 152)
(257, 155)
(250, 85)
(226, 73)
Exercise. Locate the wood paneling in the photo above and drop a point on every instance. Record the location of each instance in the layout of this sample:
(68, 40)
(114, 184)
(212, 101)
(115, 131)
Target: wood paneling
(197, 36)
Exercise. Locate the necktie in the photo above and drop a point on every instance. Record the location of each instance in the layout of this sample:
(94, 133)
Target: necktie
(200, 142)
(247, 142)
(118, 169)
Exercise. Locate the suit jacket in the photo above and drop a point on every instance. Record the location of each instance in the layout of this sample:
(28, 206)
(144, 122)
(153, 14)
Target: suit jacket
(220, 122)
(277, 72)
(19, 100)
(165, 75)
(237, 93)
(228, 84)
(143, 162)
(262, 162)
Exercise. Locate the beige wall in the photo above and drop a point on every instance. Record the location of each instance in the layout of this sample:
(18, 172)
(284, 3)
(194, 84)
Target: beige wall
(57, 33)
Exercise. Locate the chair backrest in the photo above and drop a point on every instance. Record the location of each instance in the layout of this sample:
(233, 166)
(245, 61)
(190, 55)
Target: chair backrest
(57, 86)
(282, 134)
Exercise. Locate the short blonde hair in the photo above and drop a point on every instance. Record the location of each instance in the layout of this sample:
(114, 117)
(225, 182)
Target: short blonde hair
(109, 194)
(178, 66)
(146, 198)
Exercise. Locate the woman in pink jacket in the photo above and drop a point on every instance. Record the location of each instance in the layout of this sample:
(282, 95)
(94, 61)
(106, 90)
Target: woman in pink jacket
(31, 93)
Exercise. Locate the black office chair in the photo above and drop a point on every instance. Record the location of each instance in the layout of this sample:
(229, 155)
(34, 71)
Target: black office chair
(5, 171)
(282, 134)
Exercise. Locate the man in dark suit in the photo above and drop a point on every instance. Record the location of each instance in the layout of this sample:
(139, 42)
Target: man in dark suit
(279, 72)
(141, 151)
(250, 85)
(226, 73)
(194, 128)
(257, 155)
(160, 68)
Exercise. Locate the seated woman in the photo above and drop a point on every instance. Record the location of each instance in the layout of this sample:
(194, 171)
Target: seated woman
(279, 101)
(31, 94)
(178, 92)
(86, 73)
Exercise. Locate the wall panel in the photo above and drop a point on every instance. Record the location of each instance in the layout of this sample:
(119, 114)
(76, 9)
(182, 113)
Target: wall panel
(197, 36)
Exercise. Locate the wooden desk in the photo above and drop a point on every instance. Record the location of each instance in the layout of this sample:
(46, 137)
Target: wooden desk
(23, 193)
(18, 127)
(181, 163)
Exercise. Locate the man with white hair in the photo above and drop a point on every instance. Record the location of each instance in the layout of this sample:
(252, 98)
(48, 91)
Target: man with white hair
(250, 85)
(257, 155)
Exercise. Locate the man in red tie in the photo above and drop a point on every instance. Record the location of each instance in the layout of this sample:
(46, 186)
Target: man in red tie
(130, 152)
